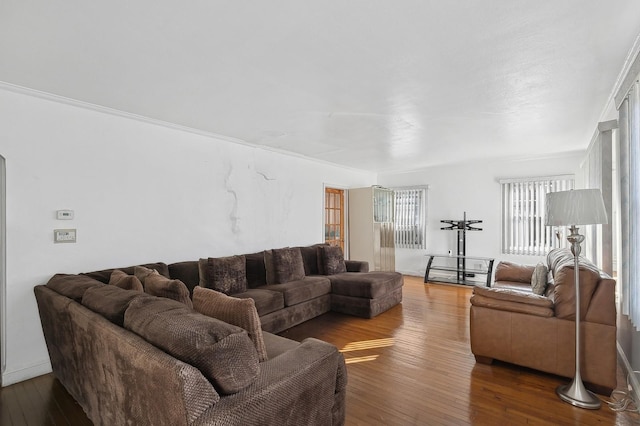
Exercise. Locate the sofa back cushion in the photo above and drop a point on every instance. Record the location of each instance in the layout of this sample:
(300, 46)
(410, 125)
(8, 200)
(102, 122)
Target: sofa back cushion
(232, 310)
(125, 281)
(310, 257)
(187, 272)
(222, 352)
(110, 301)
(507, 271)
(72, 286)
(158, 285)
(256, 271)
(105, 274)
(564, 285)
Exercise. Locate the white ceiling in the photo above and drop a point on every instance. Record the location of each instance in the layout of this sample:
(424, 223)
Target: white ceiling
(370, 84)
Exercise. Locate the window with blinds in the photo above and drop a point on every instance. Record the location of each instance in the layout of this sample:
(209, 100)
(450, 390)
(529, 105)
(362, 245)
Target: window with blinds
(410, 217)
(523, 214)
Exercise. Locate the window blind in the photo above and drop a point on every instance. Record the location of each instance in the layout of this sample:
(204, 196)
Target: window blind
(523, 214)
(411, 217)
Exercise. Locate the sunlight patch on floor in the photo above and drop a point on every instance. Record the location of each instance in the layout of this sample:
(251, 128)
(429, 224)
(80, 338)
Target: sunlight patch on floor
(368, 344)
(357, 359)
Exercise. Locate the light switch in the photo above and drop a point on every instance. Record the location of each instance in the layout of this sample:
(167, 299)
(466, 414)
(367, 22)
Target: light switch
(64, 214)
(64, 235)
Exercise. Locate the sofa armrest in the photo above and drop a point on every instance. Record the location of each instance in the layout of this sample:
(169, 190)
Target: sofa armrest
(357, 265)
(513, 301)
(304, 385)
(505, 305)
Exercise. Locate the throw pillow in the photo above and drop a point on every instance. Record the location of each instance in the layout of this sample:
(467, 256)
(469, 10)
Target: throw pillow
(222, 352)
(232, 310)
(287, 265)
(158, 285)
(332, 260)
(539, 279)
(227, 275)
(141, 273)
(268, 266)
(125, 281)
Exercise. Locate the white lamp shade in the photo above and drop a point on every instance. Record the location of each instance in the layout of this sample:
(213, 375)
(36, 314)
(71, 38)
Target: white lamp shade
(575, 207)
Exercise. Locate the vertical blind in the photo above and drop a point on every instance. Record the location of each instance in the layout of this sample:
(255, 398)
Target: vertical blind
(411, 217)
(629, 175)
(523, 214)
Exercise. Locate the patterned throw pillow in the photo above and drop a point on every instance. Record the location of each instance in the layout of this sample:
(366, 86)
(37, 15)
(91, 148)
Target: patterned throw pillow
(161, 286)
(232, 310)
(227, 275)
(125, 281)
(332, 260)
(287, 265)
(539, 279)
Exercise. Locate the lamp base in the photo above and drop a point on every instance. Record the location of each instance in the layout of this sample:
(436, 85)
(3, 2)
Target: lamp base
(578, 396)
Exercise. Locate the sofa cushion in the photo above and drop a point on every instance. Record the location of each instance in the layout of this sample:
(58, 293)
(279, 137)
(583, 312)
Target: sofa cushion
(565, 290)
(295, 292)
(256, 271)
(332, 260)
(266, 301)
(125, 281)
(142, 272)
(104, 275)
(287, 265)
(187, 272)
(507, 271)
(232, 310)
(370, 285)
(224, 274)
(222, 352)
(157, 285)
(110, 301)
(72, 286)
(539, 279)
(311, 258)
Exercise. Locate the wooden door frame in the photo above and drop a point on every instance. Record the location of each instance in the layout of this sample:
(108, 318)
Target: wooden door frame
(345, 213)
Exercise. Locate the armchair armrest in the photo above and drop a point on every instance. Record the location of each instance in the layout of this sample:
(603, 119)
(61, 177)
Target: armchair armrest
(357, 265)
(512, 301)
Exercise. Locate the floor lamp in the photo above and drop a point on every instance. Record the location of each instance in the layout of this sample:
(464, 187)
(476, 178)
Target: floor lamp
(571, 208)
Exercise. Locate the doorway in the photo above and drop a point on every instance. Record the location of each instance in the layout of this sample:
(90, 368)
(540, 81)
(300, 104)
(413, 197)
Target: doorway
(334, 217)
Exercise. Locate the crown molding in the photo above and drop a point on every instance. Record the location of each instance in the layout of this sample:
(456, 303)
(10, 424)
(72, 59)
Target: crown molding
(148, 120)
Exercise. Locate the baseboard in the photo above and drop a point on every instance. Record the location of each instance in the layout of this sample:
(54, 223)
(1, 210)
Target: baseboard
(411, 273)
(11, 377)
(628, 372)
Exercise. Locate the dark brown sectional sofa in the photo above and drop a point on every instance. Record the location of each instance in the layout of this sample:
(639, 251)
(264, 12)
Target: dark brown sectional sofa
(129, 357)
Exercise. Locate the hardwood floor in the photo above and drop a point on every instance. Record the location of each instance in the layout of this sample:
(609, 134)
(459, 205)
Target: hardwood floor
(409, 366)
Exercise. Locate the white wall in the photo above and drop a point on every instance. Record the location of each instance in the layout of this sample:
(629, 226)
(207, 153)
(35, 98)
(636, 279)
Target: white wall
(141, 192)
(471, 188)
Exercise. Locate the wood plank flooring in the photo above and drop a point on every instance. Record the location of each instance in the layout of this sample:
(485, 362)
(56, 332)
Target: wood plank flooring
(411, 365)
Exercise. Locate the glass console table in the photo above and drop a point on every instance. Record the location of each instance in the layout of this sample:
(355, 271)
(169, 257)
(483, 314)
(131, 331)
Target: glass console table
(458, 269)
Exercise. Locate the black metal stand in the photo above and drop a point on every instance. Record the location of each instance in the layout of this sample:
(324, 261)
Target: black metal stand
(462, 226)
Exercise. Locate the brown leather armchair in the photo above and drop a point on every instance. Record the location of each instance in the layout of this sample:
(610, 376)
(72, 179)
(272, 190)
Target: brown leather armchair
(538, 331)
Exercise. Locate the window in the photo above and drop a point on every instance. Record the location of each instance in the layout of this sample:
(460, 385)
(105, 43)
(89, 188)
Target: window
(411, 217)
(523, 214)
